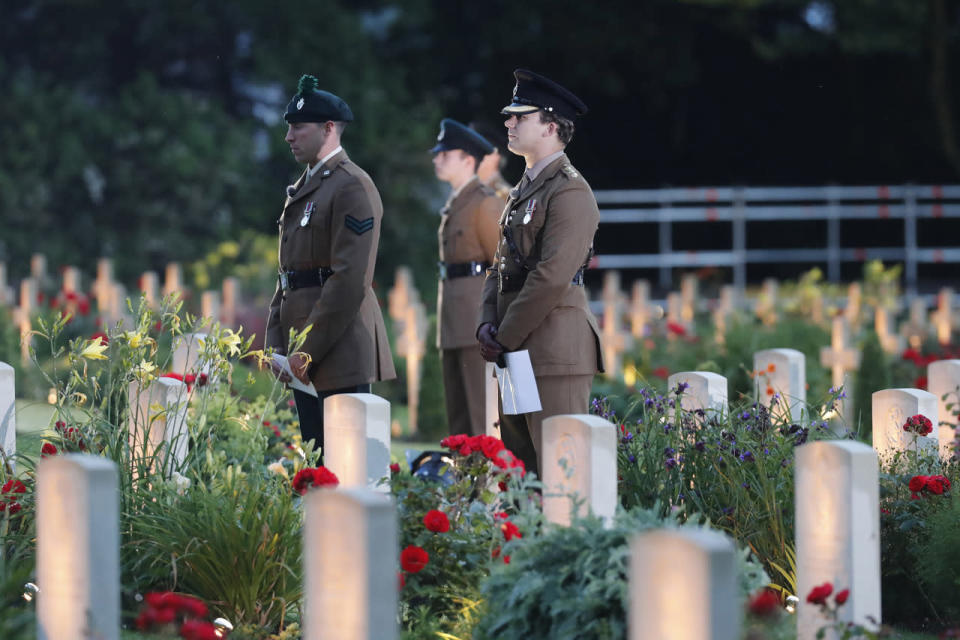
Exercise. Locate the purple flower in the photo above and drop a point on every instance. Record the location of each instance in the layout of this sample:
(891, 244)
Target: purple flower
(746, 456)
(632, 458)
(700, 446)
(669, 452)
(681, 387)
(670, 463)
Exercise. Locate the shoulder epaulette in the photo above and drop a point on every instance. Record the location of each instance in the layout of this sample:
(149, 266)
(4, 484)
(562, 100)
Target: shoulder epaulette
(569, 170)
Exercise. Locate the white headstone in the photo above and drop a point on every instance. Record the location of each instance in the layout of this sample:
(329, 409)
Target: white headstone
(613, 336)
(683, 586)
(889, 340)
(28, 303)
(942, 318)
(943, 381)
(172, 281)
(71, 280)
(725, 307)
(491, 401)
(150, 288)
(8, 412)
(640, 308)
(231, 297)
(705, 390)
(78, 548)
(103, 285)
(915, 330)
(210, 305)
(782, 371)
(187, 351)
(689, 291)
(837, 530)
(853, 310)
(38, 269)
(158, 420)
(891, 408)
(579, 458)
(767, 302)
(841, 359)
(350, 568)
(356, 439)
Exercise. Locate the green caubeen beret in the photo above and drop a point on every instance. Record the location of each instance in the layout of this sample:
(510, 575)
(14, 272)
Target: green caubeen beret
(311, 104)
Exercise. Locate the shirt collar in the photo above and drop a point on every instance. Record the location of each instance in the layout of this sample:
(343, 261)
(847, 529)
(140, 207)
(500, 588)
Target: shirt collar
(460, 189)
(541, 164)
(312, 170)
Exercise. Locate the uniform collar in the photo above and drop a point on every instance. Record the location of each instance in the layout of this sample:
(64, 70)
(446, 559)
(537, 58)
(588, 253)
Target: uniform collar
(541, 164)
(312, 170)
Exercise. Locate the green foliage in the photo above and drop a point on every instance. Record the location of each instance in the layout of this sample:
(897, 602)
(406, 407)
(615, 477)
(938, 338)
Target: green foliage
(873, 375)
(937, 565)
(571, 582)
(735, 468)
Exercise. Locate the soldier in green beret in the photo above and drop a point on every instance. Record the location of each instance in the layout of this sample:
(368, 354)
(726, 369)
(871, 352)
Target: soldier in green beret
(329, 234)
(533, 296)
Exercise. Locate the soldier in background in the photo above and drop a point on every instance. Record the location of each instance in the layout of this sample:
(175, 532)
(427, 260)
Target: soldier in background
(533, 296)
(468, 238)
(490, 168)
(329, 234)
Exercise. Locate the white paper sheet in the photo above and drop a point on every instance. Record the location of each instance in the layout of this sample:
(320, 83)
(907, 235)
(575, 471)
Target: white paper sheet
(518, 387)
(294, 383)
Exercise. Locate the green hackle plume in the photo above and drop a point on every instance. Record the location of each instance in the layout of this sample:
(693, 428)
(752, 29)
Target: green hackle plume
(307, 85)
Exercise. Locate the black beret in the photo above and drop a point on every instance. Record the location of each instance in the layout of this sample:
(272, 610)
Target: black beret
(454, 135)
(310, 104)
(534, 92)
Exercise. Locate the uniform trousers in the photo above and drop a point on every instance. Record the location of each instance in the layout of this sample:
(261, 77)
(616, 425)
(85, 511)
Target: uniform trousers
(464, 390)
(559, 395)
(310, 412)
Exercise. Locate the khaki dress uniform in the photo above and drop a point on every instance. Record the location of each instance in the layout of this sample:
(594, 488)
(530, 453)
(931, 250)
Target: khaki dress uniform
(500, 186)
(331, 225)
(535, 297)
(468, 238)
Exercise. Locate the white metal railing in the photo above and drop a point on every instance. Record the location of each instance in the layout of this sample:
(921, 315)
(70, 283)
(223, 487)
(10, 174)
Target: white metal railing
(739, 205)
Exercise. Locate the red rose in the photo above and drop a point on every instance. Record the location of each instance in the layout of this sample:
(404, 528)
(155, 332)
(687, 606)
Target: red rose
(935, 484)
(13, 508)
(413, 559)
(917, 483)
(48, 450)
(453, 442)
(764, 603)
(302, 481)
(918, 424)
(842, 596)
(495, 553)
(323, 477)
(491, 447)
(506, 559)
(202, 380)
(394, 467)
(13, 486)
(436, 521)
(198, 630)
(819, 595)
(676, 329)
(510, 531)
(661, 372)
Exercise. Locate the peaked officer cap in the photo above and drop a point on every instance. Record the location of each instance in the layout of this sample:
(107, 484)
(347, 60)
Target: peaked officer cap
(454, 135)
(534, 92)
(311, 104)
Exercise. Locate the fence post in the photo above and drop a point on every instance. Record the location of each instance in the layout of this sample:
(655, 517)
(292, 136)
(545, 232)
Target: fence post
(910, 239)
(665, 227)
(740, 240)
(833, 235)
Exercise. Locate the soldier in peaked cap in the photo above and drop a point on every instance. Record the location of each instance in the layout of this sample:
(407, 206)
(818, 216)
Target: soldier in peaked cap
(490, 168)
(468, 238)
(329, 233)
(533, 296)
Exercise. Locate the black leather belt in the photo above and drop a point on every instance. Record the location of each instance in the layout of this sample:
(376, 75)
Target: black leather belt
(510, 283)
(290, 280)
(462, 269)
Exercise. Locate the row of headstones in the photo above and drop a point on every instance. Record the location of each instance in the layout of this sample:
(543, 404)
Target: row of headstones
(110, 295)
(682, 306)
(349, 570)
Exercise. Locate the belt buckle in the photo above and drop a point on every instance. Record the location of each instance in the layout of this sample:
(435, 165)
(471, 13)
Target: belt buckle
(284, 281)
(476, 268)
(442, 266)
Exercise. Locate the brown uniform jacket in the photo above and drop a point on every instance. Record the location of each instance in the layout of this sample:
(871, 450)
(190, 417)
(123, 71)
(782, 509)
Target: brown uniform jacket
(548, 315)
(468, 232)
(348, 342)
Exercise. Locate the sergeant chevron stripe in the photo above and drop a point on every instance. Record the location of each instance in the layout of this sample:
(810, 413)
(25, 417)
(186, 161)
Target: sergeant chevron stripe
(359, 227)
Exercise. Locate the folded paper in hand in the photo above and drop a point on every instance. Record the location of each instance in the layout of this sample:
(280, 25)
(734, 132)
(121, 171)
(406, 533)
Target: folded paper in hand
(518, 387)
(294, 383)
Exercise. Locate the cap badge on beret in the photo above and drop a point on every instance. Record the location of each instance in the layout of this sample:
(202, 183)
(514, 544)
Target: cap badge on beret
(300, 103)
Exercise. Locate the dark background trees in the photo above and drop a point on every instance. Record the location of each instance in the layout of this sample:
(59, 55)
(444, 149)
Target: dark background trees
(151, 131)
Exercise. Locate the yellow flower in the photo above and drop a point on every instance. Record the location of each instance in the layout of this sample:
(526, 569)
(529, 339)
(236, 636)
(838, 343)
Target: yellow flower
(230, 341)
(278, 468)
(94, 349)
(134, 338)
(144, 371)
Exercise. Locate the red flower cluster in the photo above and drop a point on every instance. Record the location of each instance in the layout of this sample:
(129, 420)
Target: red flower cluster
(199, 630)
(274, 428)
(491, 448)
(661, 372)
(394, 468)
(764, 603)
(928, 484)
(69, 302)
(189, 379)
(413, 559)
(676, 329)
(8, 493)
(165, 607)
(318, 477)
(71, 434)
(918, 424)
(436, 521)
(510, 531)
(48, 450)
(819, 595)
